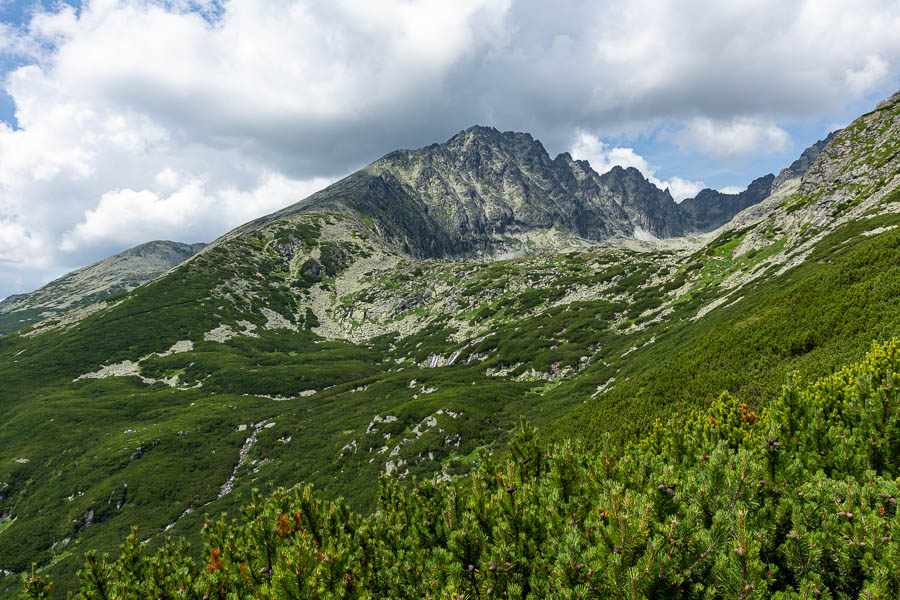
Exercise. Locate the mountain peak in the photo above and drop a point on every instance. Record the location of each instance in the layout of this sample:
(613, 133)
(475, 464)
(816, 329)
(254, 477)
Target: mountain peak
(478, 130)
(629, 171)
(483, 191)
(515, 145)
(489, 134)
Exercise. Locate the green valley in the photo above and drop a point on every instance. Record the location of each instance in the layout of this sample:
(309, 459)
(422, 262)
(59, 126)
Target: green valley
(381, 341)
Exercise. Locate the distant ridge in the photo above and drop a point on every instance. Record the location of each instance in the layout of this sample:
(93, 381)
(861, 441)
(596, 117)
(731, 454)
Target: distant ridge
(119, 273)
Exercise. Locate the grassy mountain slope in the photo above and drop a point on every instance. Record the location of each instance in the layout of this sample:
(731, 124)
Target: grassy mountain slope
(310, 347)
(798, 501)
(108, 277)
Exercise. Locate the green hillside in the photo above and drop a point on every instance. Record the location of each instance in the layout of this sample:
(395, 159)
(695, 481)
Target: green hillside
(81, 288)
(797, 501)
(315, 347)
(130, 453)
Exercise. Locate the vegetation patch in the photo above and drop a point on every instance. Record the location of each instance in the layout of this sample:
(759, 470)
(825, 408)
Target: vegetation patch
(799, 499)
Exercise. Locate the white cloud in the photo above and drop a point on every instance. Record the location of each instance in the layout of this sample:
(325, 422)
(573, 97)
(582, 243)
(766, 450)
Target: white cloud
(14, 41)
(732, 189)
(140, 121)
(602, 157)
(126, 216)
(746, 58)
(267, 69)
(734, 139)
(681, 188)
(867, 77)
(141, 109)
(18, 246)
(167, 178)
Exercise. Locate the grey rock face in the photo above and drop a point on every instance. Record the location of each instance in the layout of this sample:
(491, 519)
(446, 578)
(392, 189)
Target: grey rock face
(646, 206)
(463, 197)
(711, 209)
(859, 160)
(800, 166)
(458, 198)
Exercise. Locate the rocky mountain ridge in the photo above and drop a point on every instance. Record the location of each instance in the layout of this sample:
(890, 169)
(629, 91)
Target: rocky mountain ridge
(481, 192)
(799, 167)
(710, 209)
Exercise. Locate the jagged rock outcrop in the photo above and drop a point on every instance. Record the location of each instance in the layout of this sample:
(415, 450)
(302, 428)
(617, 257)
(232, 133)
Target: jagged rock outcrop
(800, 166)
(482, 191)
(859, 160)
(711, 208)
(472, 194)
(648, 207)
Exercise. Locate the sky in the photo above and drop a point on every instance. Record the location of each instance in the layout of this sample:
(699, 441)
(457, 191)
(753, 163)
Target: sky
(124, 121)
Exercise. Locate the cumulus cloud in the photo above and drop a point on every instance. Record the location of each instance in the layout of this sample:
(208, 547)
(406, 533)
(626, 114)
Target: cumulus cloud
(866, 77)
(304, 84)
(732, 189)
(602, 157)
(735, 139)
(125, 215)
(621, 66)
(132, 111)
(18, 245)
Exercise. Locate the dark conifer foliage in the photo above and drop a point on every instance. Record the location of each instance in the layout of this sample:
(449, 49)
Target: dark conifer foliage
(798, 500)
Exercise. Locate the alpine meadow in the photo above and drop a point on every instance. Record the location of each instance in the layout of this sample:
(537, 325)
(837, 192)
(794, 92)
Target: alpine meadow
(473, 370)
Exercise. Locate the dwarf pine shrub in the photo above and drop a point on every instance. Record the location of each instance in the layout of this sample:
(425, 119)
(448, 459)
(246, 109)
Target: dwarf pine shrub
(795, 500)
